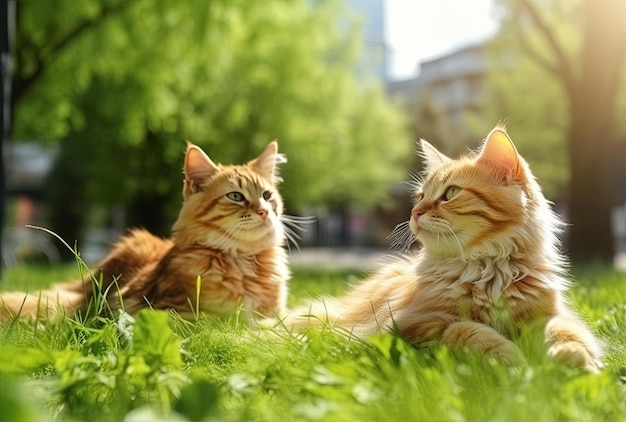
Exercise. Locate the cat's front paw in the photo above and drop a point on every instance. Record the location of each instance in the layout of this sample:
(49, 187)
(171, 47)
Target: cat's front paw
(574, 354)
(509, 353)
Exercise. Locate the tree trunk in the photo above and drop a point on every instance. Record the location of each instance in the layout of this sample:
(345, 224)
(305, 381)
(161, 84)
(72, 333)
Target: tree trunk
(592, 121)
(590, 237)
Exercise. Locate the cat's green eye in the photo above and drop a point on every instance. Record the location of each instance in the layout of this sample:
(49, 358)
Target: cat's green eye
(236, 196)
(267, 195)
(419, 196)
(451, 192)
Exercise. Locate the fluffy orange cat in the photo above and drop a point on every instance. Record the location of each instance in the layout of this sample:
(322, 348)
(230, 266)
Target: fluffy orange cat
(229, 236)
(489, 265)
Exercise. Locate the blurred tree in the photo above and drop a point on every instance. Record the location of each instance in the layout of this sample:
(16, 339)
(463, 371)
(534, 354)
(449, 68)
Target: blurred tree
(125, 83)
(587, 59)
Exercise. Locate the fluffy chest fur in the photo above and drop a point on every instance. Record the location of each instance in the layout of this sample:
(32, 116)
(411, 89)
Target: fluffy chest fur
(411, 296)
(499, 294)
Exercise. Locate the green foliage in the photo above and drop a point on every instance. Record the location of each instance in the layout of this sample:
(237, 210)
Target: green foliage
(19, 360)
(116, 367)
(159, 367)
(123, 84)
(14, 402)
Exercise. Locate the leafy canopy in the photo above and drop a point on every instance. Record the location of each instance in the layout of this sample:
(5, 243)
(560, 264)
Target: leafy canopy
(126, 83)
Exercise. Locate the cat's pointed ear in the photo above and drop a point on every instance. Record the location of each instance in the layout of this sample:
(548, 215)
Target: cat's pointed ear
(198, 167)
(499, 152)
(431, 155)
(267, 163)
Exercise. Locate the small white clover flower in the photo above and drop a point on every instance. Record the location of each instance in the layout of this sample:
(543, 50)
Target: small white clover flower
(125, 324)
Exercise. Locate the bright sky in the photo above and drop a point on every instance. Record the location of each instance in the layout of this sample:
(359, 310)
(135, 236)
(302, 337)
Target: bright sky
(424, 29)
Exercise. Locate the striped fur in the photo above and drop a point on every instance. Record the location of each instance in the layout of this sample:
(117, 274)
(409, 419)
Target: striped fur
(229, 235)
(489, 265)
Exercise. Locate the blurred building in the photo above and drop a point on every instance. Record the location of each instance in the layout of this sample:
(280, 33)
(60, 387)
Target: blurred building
(406, 91)
(455, 83)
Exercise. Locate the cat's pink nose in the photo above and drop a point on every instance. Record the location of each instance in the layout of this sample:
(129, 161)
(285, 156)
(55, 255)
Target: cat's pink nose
(262, 212)
(417, 213)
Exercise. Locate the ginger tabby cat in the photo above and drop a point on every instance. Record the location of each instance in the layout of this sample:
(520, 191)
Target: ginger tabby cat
(489, 265)
(229, 234)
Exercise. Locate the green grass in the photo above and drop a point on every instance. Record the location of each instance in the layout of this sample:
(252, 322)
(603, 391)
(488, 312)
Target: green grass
(162, 368)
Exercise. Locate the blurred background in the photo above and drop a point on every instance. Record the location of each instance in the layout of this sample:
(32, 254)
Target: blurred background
(100, 95)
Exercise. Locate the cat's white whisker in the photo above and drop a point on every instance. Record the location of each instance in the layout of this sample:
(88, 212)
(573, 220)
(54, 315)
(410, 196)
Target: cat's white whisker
(401, 237)
(293, 226)
(292, 240)
(296, 222)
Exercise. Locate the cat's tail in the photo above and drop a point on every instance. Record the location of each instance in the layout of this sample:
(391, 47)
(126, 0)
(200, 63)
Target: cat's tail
(315, 313)
(44, 305)
(336, 314)
(365, 309)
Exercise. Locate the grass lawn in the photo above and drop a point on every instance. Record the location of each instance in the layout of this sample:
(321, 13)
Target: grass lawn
(159, 367)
